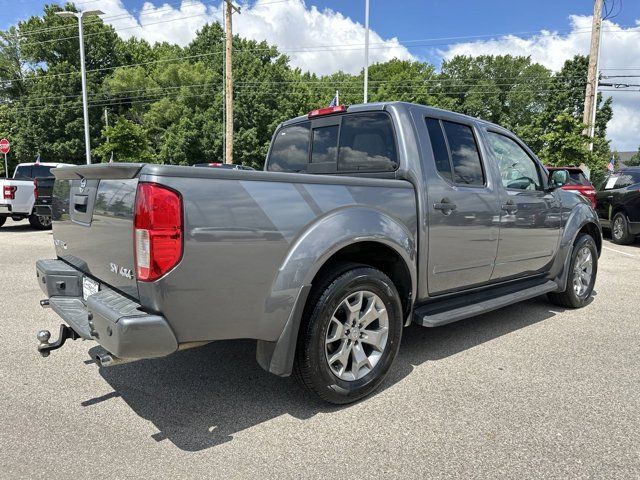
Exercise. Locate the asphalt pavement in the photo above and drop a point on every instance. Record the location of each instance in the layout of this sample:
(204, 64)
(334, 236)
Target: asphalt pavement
(529, 391)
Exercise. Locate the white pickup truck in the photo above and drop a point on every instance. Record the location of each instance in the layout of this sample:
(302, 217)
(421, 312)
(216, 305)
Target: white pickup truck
(17, 195)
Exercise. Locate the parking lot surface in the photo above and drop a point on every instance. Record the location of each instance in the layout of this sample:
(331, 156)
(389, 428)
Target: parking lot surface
(529, 391)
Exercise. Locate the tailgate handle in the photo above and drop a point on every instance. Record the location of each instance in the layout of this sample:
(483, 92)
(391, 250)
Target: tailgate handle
(80, 203)
(79, 200)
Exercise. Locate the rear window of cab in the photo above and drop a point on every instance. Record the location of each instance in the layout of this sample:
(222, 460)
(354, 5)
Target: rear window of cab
(357, 142)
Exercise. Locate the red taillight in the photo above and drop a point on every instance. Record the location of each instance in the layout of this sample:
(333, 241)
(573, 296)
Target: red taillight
(9, 192)
(35, 188)
(157, 230)
(215, 164)
(327, 111)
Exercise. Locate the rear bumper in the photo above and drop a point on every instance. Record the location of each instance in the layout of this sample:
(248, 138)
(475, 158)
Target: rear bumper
(42, 210)
(116, 322)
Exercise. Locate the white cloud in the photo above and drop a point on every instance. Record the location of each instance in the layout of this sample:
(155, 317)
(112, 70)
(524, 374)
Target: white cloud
(321, 41)
(620, 49)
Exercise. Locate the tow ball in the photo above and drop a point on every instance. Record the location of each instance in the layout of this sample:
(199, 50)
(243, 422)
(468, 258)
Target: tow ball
(44, 335)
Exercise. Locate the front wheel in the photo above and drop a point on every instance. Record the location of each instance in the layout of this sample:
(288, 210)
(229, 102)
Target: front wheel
(2, 220)
(40, 222)
(350, 334)
(582, 274)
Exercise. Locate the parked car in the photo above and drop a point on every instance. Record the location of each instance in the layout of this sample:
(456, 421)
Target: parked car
(392, 220)
(18, 194)
(618, 204)
(578, 182)
(230, 166)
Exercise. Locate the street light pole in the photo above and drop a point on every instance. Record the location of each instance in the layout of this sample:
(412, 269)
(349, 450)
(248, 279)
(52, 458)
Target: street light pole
(83, 73)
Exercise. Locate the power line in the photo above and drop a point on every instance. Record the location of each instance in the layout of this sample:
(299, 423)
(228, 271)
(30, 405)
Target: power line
(322, 84)
(147, 98)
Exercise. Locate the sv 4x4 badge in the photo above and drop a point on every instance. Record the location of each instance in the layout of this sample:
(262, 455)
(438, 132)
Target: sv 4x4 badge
(122, 271)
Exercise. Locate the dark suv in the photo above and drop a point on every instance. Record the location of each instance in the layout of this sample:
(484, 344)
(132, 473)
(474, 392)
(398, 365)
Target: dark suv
(618, 204)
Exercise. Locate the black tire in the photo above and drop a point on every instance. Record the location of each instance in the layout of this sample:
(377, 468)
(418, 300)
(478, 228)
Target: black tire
(620, 234)
(311, 365)
(40, 222)
(2, 220)
(570, 298)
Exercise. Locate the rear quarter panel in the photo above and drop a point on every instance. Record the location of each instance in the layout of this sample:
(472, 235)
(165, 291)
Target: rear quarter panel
(243, 263)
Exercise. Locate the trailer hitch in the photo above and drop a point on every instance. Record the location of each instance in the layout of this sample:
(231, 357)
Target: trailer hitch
(44, 335)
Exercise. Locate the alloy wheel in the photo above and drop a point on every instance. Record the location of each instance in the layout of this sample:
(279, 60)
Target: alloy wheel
(357, 335)
(44, 220)
(618, 228)
(582, 271)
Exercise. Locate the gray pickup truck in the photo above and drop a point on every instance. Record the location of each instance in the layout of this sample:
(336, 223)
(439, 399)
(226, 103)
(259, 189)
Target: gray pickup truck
(366, 218)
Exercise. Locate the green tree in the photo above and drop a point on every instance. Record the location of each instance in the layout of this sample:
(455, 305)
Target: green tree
(634, 161)
(127, 140)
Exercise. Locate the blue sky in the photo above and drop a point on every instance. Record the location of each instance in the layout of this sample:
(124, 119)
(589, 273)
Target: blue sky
(327, 35)
(415, 19)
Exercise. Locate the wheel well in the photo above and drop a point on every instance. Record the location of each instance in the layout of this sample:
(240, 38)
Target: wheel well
(378, 256)
(592, 230)
(617, 210)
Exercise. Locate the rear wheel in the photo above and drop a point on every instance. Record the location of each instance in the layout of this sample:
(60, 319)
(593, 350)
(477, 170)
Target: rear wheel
(2, 220)
(583, 269)
(350, 334)
(620, 230)
(40, 222)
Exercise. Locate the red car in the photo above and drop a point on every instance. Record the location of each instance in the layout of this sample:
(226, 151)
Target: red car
(578, 182)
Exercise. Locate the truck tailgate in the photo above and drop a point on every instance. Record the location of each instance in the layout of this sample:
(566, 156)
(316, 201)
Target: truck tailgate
(92, 216)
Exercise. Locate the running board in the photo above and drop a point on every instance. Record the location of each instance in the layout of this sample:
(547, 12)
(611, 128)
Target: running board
(431, 315)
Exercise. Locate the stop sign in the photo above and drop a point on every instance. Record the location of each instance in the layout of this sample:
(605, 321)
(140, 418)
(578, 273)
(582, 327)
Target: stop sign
(4, 146)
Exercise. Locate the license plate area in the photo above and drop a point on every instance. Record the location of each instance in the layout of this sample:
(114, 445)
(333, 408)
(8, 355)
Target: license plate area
(89, 287)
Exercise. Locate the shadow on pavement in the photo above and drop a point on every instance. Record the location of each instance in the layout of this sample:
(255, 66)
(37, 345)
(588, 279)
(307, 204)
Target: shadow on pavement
(10, 227)
(200, 398)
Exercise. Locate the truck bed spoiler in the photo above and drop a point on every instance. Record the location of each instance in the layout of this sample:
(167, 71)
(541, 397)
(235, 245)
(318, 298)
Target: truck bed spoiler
(100, 171)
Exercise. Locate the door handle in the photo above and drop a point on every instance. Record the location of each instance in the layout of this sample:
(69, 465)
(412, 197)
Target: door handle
(510, 207)
(445, 206)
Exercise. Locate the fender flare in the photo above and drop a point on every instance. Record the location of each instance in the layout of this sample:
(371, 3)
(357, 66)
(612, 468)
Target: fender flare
(322, 239)
(579, 216)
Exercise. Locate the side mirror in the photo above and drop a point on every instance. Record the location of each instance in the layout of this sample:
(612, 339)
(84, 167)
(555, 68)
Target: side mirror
(558, 178)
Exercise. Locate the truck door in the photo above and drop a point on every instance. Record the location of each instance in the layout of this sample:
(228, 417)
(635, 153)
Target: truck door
(463, 208)
(530, 218)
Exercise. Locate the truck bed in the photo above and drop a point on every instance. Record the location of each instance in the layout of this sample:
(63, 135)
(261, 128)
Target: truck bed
(245, 233)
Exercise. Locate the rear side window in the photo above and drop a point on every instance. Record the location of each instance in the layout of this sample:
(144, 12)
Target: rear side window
(626, 179)
(439, 146)
(325, 144)
(465, 158)
(290, 149)
(455, 152)
(367, 143)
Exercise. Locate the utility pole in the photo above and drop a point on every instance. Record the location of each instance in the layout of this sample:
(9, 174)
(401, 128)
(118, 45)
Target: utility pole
(591, 93)
(366, 51)
(85, 104)
(106, 124)
(228, 80)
